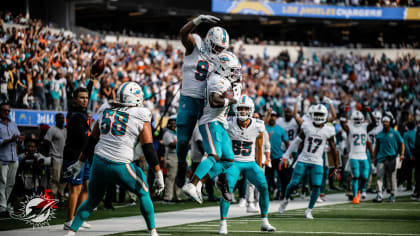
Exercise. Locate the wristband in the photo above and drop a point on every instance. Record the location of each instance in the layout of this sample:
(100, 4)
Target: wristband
(226, 102)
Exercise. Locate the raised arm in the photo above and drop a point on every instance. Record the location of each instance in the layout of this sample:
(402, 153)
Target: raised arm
(185, 32)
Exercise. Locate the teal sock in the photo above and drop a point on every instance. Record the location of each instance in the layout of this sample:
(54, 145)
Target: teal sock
(147, 210)
(264, 200)
(224, 208)
(355, 186)
(314, 196)
(204, 167)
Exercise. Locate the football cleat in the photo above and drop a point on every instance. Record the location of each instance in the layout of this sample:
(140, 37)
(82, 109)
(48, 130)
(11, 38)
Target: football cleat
(308, 214)
(223, 227)
(199, 193)
(378, 199)
(86, 225)
(266, 227)
(283, 206)
(153, 232)
(191, 191)
(222, 184)
(252, 208)
(242, 202)
(70, 233)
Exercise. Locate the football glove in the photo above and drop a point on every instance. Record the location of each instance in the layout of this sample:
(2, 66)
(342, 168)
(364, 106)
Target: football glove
(158, 184)
(299, 99)
(327, 100)
(205, 18)
(237, 87)
(74, 170)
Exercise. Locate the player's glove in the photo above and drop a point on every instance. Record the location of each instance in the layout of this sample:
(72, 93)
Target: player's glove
(205, 18)
(299, 99)
(237, 87)
(327, 100)
(158, 185)
(74, 170)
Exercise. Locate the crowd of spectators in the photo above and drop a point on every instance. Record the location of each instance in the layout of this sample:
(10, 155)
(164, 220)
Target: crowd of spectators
(40, 70)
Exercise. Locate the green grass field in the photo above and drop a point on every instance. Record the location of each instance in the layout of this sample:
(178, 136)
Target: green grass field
(121, 210)
(367, 218)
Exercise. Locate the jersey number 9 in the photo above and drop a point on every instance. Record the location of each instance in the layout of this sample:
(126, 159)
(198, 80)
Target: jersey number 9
(202, 70)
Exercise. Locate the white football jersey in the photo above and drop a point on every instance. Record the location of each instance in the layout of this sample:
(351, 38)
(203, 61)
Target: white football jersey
(314, 143)
(243, 140)
(215, 84)
(195, 70)
(291, 127)
(120, 129)
(372, 135)
(357, 139)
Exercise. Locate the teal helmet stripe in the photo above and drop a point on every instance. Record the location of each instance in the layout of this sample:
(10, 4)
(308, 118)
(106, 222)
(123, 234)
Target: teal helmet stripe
(122, 90)
(224, 36)
(243, 99)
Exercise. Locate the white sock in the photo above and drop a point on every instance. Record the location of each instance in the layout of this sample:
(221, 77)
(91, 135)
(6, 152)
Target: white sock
(199, 185)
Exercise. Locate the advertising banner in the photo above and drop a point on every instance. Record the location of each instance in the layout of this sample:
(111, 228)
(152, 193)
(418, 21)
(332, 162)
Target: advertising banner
(314, 11)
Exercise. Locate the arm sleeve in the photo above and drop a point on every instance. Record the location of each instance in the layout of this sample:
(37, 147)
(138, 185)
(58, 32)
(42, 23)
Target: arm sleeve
(266, 142)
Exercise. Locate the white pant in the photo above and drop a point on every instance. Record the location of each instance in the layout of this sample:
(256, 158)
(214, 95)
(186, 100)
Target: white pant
(7, 181)
(252, 194)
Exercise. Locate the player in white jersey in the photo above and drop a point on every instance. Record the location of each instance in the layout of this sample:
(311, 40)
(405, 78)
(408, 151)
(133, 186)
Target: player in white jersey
(288, 123)
(315, 136)
(119, 128)
(198, 63)
(246, 134)
(374, 128)
(213, 124)
(358, 140)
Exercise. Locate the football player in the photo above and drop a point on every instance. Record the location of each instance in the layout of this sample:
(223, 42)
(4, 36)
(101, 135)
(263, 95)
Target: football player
(315, 135)
(358, 139)
(246, 134)
(373, 129)
(198, 63)
(119, 128)
(213, 124)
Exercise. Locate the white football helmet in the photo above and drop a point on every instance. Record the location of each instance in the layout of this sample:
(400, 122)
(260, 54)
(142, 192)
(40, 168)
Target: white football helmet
(377, 116)
(216, 41)
(228, 66)
(244, 101)
(130, 94)
(319, 114)
(311, 111)
(357, 118)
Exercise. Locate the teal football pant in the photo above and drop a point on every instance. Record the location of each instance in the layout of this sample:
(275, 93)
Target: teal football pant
(190, 110)
(104, 172)
(315, 172)
(359, 170)
(255, 175)
(216, 141)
